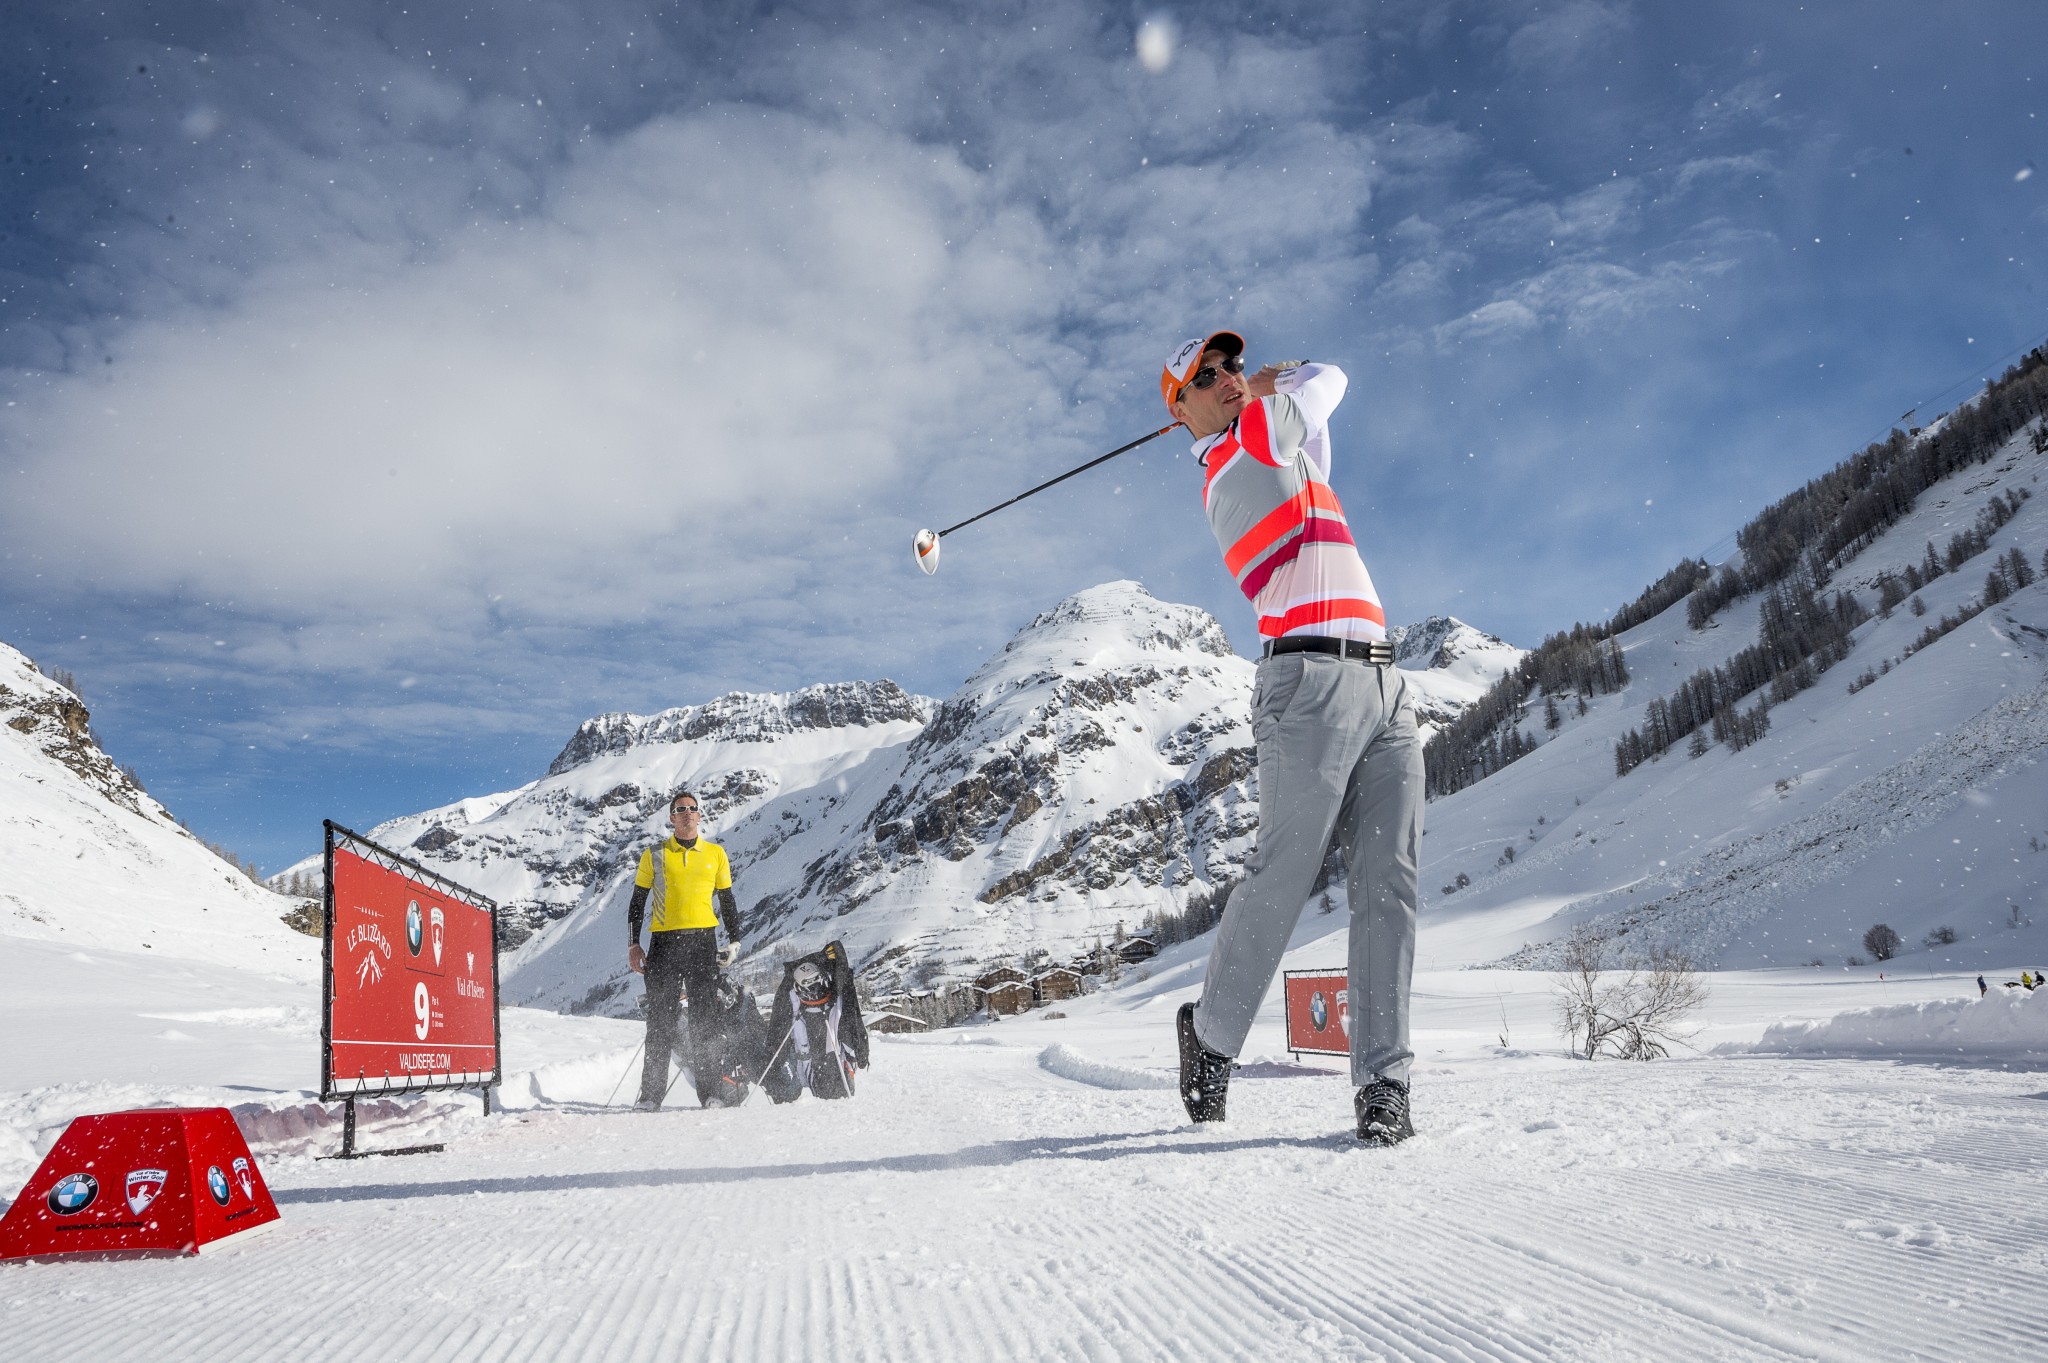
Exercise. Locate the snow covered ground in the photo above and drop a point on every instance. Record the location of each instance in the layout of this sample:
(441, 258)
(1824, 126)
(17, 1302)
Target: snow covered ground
(1030, 1189)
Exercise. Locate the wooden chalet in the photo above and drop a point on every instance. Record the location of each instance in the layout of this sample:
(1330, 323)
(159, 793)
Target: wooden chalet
(1002, 974)
(1006, 998)
(890, 1021)
(1058, 983)
(1135, 949)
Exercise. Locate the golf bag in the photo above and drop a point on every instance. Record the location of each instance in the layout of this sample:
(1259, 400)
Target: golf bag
(728, 1044)
(817, 1017)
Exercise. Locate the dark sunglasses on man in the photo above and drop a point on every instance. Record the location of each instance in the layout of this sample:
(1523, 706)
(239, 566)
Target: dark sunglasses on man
(1205, 377)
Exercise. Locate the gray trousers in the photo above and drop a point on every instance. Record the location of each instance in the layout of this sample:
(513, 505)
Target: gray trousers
(1338, 752)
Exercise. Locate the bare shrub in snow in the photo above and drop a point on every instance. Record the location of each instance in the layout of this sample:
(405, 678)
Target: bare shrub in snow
(1633, 1009)
(1882, 942)
(1941, 937)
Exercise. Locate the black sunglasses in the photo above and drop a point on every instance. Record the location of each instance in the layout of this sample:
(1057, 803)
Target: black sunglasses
(1205, 377)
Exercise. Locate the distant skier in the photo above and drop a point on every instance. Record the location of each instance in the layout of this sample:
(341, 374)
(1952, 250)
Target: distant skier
(1333, 719)
(681, 875)
(1982, 988)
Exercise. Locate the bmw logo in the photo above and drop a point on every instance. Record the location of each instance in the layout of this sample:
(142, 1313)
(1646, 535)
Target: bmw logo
(217, 1184)
(73, 1194)
(1318, 1010)
(415, 932)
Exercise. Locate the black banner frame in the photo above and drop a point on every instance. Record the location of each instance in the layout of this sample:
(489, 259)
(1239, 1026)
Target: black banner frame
(331, 1092)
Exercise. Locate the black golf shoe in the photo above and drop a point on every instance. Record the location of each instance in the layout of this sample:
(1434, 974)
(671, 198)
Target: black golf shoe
(1382, 1108)
(1204, 1075)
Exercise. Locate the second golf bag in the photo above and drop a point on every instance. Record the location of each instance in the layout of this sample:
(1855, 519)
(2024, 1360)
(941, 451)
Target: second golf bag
(817, 1017)
(728, 1044)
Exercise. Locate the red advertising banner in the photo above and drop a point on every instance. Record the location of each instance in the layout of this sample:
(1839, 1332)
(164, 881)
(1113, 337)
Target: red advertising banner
(412, 976)
(1318, 1012)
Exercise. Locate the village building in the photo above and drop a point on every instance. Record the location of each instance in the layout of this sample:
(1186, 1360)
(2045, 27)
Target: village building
(1135, 949)
(934, 1008)
(1002, 974)
(1058, 983)
(1006, 998)
(890, 1021)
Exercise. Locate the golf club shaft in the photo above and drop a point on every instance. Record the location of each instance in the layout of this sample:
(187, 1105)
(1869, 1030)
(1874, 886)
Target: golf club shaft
(1122, 449)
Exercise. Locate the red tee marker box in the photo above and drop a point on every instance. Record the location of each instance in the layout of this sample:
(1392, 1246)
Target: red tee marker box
(157, 1181)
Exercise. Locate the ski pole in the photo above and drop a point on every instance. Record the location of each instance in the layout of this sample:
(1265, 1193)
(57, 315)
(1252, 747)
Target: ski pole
(776, 1054)
(680, 1071)
(925, 544)
(693, 1046)
(628, 1070)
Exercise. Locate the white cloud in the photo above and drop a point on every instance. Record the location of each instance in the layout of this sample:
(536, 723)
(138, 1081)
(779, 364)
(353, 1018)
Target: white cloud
(1755, 100)
(1586, 218)
(725, 322)
(1566, 34)
(1580, 295)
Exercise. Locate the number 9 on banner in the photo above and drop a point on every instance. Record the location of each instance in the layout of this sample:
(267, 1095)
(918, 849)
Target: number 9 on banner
(420, 1008)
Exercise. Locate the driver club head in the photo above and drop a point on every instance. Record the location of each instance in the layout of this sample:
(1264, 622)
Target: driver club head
(926, 546)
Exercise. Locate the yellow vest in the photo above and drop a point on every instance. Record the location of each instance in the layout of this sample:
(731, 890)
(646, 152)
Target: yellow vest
(683, 882)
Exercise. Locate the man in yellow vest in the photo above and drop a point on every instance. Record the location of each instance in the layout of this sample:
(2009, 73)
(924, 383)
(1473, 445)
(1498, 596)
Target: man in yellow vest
(681, 877)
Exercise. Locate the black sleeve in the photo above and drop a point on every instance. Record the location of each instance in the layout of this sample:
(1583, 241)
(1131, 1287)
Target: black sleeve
(636, 912)
(729, 914)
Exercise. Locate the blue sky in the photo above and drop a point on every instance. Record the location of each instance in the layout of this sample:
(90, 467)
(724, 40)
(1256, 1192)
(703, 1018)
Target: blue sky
(387, 391)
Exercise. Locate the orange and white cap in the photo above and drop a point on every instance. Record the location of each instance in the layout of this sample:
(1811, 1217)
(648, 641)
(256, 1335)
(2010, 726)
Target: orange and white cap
(1187, 357)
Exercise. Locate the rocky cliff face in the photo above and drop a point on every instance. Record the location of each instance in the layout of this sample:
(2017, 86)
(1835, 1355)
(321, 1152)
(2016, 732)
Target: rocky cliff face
(54, 721)
(745, 718)
(1097, 770)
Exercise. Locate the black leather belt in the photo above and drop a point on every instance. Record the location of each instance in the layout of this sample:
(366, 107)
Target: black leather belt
(1380, 653)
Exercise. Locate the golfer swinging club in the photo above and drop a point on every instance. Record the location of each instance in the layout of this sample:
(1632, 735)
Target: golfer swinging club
(1334, 724)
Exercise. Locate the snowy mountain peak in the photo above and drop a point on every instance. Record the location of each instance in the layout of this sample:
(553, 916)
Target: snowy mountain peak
(1440, 641)
(746, 717)
(1121, 614)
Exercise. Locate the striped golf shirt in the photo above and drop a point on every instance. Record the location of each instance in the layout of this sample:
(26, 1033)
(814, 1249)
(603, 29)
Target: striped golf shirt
(1277, 520)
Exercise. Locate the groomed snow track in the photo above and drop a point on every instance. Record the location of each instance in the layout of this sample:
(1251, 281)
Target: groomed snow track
(973, 1205)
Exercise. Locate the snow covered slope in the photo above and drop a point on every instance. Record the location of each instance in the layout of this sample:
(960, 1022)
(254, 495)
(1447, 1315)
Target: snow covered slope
(1919, 801)
(89, 860)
